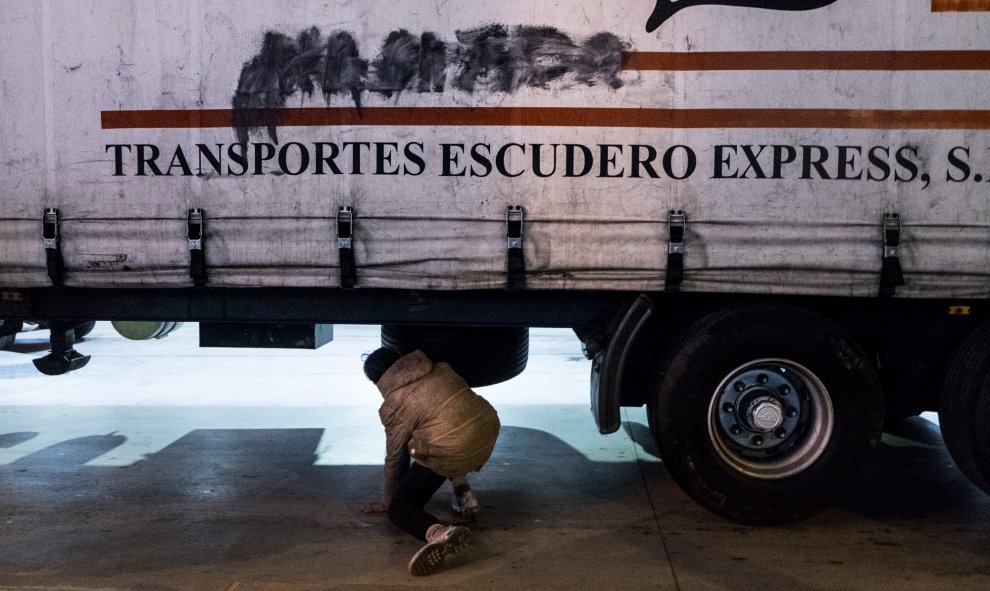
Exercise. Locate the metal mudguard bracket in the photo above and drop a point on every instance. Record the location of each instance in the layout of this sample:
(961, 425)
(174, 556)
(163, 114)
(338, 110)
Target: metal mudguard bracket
(62, 358)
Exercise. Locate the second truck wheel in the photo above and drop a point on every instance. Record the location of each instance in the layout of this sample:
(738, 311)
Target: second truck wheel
(483, 355)
(765, 414)
(964, 415)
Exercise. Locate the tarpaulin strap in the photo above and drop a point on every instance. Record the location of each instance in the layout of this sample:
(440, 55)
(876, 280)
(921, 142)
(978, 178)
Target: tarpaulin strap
(195, 223)
(891, 274)
(345, 246)
(676, 224)
(516, 265)
(51, 236)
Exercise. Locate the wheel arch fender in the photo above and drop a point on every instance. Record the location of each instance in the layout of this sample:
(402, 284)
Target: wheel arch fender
(610, 363)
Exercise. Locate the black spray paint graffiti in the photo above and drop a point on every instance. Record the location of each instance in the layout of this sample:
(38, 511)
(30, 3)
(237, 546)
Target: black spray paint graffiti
(667, 8)
(494, 58)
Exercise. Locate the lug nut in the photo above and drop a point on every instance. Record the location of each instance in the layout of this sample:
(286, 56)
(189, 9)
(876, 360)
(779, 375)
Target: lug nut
(762, 378)
(780, 433)
(739, 386)
(757, 441)
(791, 412)
(735, 429)
(728, 407)
(785, 390)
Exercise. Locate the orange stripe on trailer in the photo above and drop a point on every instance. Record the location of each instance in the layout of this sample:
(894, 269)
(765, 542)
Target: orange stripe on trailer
(550, 117)
(808, 60)
(960, 5)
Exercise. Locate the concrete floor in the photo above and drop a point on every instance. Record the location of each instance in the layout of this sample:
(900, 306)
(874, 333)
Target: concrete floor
(162, 466)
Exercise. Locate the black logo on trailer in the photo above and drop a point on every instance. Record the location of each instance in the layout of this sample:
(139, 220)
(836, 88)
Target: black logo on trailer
(667, 8)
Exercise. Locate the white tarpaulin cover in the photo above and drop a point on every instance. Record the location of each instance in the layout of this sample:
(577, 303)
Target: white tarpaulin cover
(784, 130)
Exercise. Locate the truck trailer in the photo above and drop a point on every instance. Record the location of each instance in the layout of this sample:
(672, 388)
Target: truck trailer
(768, 221)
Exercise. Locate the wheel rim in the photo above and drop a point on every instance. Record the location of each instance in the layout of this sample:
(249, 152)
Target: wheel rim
(770, 418)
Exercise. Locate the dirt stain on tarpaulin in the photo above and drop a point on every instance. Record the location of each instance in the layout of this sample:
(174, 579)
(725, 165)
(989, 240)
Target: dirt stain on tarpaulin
(492, 58)
(497, 58)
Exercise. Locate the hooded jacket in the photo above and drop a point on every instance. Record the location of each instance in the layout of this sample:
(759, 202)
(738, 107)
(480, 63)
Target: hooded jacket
(431, 414)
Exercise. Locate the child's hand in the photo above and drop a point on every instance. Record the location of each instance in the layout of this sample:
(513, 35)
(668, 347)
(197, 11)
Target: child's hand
(375, 507)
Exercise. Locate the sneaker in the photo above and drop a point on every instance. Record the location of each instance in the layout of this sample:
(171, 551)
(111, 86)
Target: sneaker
(465, 504)
(441, 540)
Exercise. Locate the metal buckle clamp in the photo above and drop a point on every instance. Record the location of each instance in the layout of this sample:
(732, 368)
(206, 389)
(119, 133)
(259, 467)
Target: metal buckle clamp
(676, 227)
(891, 274)
(345, 246)
(195, 224)
(49, 228)
(516, 262)
(51, 238)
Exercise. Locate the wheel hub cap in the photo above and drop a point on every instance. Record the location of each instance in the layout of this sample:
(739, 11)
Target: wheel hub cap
(766, 415)
(770, 418)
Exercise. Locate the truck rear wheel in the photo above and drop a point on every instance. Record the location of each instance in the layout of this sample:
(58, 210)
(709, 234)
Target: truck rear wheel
(84, 329)
(482, 355)
(765, 414)
(8, 332)
(964, 411)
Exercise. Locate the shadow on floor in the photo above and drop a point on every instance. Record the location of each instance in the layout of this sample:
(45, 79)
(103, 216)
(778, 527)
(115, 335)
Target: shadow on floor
(910, 476)
(220, 496)
(9, 440)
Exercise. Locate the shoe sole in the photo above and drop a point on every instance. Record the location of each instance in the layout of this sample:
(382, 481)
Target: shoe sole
(431, 556)
(466, 511)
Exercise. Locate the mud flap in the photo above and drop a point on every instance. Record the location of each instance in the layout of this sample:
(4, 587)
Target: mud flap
(608, 365)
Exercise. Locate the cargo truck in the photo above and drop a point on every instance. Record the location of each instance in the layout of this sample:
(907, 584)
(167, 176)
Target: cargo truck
(768, 221)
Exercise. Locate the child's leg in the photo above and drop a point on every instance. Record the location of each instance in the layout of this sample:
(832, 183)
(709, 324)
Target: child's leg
(406, 511)
(461, 484)
(465, 502)
(414, 491)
